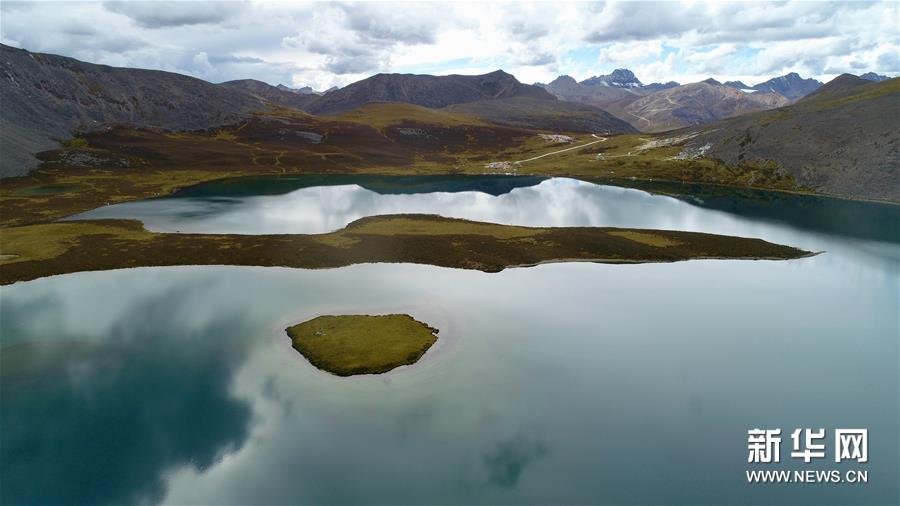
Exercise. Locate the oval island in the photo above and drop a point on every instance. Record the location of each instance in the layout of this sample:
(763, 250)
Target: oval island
(347, 345)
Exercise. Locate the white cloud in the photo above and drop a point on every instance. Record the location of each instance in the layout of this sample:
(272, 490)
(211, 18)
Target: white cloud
(325, 44)
(201, 62)
(716, 53)
(661, 71)
(161, 14)
(631, 52)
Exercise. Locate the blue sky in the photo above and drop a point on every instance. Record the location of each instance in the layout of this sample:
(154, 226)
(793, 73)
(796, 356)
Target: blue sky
(325, 43)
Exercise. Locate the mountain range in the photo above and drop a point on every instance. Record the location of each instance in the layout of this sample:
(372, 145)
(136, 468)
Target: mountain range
(425, 90)
(692, 104)
(282, 96)
(663, 106)
(619, 86)
(836, 138)
(48, 97)
(304, 90)
(497, 97)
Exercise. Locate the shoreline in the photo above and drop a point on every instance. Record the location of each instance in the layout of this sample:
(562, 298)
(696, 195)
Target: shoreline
(20, 208)
(618, 261)
(60, 248)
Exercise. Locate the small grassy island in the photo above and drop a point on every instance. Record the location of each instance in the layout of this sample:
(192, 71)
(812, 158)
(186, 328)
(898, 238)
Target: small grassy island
(362, 344)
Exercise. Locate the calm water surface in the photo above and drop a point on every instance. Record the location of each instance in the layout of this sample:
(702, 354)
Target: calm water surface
(565, 383)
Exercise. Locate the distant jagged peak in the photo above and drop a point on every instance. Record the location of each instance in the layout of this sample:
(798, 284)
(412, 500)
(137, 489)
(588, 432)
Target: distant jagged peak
(661, 86)
(623, 75)
(305, 90)
(790, 77)
(872, 76)
(622, 78)
(737, 84)
(564, 79)
(711, 81)
(791, 85)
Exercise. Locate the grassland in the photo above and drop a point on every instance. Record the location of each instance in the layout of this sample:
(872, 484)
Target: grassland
(644, 157)
(886, 88)
(33, 251)
(348, 345)
(385, 115)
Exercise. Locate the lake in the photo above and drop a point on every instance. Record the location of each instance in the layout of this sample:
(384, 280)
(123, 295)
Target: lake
(564, 383)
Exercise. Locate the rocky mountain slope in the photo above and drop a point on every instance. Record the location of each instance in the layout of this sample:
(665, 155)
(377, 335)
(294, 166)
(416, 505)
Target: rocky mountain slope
(424, 90)
(844, 139)
(790, 85)
(45, 97)
(553, 115)
(692, 104)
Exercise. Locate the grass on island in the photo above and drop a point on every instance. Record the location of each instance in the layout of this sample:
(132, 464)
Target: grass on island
(34, 251)
(362, 344)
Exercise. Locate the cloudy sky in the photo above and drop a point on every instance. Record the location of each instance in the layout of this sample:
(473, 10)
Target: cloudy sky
(325, 44)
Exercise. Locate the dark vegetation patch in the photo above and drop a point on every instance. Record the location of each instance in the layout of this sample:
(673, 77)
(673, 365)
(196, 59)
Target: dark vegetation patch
(34, 251)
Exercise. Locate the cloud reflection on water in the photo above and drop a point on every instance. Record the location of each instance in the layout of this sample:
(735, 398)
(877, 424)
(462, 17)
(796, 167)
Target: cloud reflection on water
(102, 421)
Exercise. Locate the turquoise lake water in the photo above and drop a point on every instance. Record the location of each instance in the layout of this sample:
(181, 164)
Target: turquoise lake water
(564, 383)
